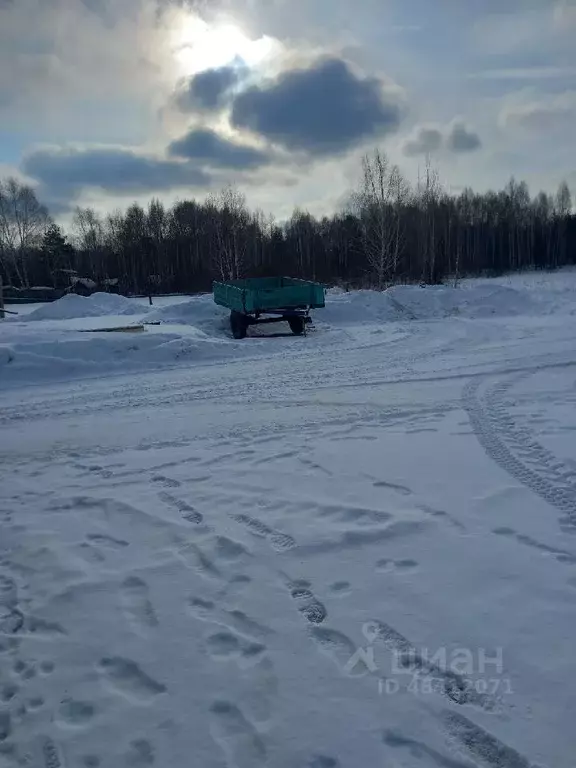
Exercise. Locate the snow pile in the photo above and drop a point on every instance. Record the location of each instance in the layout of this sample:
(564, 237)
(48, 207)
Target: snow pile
(69, 343)
(475, 301)
(98, 305)
(554, 292)
(406, 302)
(200, 312)
(80, 355)
(358, 308)
(411, 302)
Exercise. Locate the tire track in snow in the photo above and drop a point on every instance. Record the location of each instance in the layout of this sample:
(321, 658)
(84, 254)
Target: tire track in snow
(496, 435)
(535, 453)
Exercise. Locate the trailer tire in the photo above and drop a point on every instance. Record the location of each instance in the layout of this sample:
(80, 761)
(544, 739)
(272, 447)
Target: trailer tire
(297, 325)
(238, 324)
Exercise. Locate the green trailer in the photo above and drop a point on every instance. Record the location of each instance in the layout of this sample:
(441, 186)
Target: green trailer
(269, 300)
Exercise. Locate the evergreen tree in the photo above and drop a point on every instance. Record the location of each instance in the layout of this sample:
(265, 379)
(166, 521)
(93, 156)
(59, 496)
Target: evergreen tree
(56, 253)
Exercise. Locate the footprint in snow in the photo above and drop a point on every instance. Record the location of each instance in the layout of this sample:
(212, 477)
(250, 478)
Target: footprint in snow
(140, 753)
(195, 557)
(51, 757)
(75, 714)
(281, 542)
(322, 761)
(225, 645)
(340, 588)
(166, 482)
(236, 735)
(125, 677)
(234, 619)
(263, 693)
(228, 550)
(307, 603)
(136, 604)
(186, 511)
(340, 648)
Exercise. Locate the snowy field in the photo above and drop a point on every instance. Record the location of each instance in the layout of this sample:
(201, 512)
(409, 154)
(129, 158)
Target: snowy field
(355, 548)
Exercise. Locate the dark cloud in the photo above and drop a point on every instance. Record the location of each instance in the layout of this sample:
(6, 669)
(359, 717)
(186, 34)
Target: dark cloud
(122, 171)
(425, 140)
(212, 150)
(321, 110)
(457, 137)
(208, 90)
(461, 138)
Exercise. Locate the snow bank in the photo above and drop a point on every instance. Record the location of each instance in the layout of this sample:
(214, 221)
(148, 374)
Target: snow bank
(195, 329)
(357, 308)
(200, 312)
(475, 301)
(102, 354)
(98, 305)
(410, 302)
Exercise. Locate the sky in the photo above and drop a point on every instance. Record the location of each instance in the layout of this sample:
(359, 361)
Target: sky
(107, 102)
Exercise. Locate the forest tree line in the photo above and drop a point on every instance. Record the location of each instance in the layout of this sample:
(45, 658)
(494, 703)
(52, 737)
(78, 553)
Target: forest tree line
(387, 232)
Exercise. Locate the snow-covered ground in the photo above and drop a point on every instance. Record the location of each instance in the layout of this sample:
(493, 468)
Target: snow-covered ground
(351, 549)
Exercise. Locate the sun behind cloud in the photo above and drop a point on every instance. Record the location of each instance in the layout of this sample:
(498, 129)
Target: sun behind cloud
(200, 45)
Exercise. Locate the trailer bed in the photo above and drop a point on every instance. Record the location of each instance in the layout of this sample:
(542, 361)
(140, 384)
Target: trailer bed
(282, 298)
(261, 294)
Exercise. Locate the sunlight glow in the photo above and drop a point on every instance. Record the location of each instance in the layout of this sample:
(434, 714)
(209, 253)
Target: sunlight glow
(200, 46)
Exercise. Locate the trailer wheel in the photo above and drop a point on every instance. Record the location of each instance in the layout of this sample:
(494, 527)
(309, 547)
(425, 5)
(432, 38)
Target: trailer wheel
(297, 325)
(238, 324)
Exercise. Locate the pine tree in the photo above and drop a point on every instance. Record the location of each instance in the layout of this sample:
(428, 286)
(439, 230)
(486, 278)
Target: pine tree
(56, 253)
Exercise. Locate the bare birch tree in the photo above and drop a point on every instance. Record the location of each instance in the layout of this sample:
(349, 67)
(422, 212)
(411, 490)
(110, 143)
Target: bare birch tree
(428, 194)
(89, 238)
(23, 222)
(230, 229)
(378, 204)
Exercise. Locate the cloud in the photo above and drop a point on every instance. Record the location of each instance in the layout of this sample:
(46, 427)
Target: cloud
(425, 140)
(68, 170)
(539, 29)
(524, 73)
(456, 137)
(208, 90)
(461, 138)
(564, 15)
(72, 67)
(324, 109)
(58, 208)
(212, 150)
(106, 75)
(101, 8)
(543, 115)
